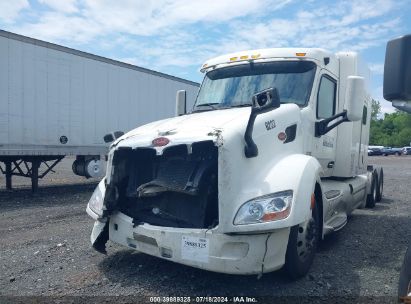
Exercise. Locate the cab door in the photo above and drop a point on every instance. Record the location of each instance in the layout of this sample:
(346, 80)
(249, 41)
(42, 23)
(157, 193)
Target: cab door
(326, 105)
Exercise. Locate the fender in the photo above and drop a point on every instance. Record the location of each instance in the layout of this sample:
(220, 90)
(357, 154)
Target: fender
(296, 172)
(300, 173)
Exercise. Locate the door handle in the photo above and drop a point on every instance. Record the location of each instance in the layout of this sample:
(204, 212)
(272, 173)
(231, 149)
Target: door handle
(331, 164)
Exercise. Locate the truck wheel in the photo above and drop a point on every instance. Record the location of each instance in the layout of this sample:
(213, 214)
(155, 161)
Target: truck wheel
(372, 197)
(404, 285)
(380, 187)
(302, 245)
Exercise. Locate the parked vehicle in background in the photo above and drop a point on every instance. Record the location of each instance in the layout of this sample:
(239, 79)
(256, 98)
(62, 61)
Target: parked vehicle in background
(375, 150)
(406, 151)
(391, 151)
(397, 151)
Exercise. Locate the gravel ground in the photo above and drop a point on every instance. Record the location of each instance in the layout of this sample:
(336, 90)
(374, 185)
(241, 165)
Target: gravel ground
(45, 250)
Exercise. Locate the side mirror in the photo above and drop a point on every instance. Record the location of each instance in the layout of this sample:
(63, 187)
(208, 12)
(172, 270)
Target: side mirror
(265, 101)
(354, 97)
(402, 105)
(181, 103)
(110, 137)
(397, 73)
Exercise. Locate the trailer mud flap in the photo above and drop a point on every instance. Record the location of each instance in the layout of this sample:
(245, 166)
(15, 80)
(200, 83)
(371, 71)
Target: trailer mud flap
(99, 236)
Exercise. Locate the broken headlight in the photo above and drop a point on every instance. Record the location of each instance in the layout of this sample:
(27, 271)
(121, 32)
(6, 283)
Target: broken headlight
(267, 208)
(96, 201)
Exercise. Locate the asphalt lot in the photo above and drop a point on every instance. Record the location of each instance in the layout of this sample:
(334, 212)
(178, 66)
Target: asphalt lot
(45, 249)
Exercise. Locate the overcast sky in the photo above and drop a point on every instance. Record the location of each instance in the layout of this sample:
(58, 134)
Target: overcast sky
(177, 36)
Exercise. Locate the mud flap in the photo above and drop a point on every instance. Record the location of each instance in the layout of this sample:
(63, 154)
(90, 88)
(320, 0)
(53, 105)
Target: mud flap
(99, 236)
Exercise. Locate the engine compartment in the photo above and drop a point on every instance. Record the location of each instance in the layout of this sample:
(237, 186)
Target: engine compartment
(176, 189)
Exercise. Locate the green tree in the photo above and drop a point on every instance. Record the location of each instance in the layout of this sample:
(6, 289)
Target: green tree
(375, 109)
(376, 136)
(393, 130)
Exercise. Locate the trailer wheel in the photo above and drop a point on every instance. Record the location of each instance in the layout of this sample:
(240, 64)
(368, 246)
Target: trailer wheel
(302, 245)
(404, 284)
(380, 187)
(372, 197)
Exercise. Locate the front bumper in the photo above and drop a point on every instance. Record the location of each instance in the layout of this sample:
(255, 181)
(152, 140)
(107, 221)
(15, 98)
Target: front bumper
(234, 254)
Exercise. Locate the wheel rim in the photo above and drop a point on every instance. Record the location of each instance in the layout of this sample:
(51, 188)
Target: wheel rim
(306, 239)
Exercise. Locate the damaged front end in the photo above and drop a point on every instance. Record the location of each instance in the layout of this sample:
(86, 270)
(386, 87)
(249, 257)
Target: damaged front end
(178, 188)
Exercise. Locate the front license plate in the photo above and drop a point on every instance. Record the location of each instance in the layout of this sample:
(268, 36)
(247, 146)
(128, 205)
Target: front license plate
(194, 249)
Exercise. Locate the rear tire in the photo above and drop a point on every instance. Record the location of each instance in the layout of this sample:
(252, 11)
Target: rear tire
(380, 187)
(372, 197)
(302, 245)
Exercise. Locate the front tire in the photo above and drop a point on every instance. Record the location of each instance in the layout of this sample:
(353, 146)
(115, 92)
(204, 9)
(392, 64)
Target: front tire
(404, 285)
(302, 245)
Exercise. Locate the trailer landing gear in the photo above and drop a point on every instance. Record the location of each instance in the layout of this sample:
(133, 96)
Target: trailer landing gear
(28, 166)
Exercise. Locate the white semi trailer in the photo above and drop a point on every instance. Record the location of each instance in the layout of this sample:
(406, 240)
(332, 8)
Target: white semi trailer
(56, 101)
(272, 157)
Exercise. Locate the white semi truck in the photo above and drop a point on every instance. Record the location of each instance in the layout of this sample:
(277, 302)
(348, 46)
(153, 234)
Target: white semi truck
(272, 157)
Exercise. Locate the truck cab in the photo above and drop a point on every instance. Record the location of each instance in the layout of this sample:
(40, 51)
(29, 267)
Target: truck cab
(271, 158)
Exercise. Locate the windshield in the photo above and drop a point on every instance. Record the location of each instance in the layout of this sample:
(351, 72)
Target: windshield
(234, 86)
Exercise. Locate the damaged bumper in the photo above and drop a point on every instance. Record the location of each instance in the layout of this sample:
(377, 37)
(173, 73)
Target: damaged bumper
(200, 248)
(92, 214)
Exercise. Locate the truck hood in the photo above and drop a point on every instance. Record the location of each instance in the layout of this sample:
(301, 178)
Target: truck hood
(184, 129)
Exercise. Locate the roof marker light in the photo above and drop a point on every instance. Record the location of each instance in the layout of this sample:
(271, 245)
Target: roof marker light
(244, 57)
(255, 56)
(300, 54)
(233, 58)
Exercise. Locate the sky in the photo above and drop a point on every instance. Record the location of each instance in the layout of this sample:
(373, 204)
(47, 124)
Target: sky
(177, 36)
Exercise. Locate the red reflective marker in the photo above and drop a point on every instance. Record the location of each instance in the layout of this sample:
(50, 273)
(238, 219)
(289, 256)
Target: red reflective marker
(160, 141)
(282, 136)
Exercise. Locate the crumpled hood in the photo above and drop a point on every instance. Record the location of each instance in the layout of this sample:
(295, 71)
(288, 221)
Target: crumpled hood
(185, 128)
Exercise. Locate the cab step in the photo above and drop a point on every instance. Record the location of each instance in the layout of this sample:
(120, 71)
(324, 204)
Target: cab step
(337, 222)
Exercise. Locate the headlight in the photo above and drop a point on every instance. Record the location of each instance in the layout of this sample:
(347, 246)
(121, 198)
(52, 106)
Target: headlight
(266, 208)
(96, 201)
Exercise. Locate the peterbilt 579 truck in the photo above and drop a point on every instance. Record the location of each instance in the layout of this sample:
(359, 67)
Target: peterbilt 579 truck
(271, 158)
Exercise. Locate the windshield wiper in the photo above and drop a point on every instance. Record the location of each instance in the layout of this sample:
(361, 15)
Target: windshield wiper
(212, 105)
(237, 106)
(241, 105)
